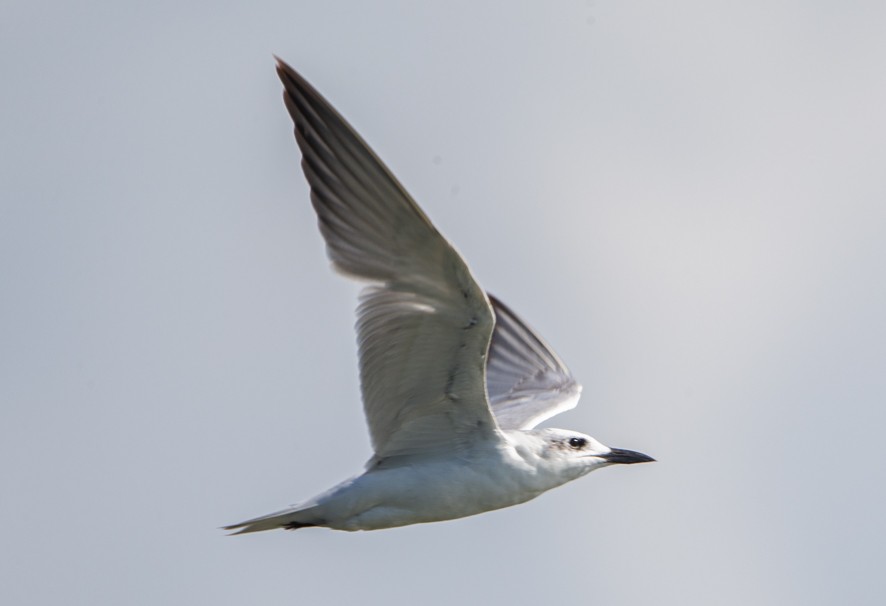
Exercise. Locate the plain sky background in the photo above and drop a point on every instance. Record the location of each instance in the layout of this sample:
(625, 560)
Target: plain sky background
(687, 199)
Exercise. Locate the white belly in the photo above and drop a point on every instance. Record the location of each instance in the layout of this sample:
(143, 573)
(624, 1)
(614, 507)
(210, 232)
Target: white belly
(429, 492)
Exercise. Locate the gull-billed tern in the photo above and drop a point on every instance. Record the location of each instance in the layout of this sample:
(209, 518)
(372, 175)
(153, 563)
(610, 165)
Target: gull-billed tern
(453, 381)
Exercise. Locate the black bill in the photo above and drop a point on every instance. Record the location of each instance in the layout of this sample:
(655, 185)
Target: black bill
(618, 455)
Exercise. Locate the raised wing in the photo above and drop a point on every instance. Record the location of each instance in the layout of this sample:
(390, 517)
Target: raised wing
(527, 382)
(425, 325)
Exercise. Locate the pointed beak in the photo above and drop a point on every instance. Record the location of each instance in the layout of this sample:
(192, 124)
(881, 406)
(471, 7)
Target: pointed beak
(626, 457)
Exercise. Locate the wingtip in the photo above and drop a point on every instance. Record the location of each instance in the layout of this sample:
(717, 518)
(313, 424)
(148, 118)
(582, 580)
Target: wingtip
(292, 80)
(281, 65)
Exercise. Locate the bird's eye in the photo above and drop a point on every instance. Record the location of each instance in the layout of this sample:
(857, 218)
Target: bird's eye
(577, 443)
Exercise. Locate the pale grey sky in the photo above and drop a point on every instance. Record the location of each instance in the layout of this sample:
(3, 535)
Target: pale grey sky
(687, 199)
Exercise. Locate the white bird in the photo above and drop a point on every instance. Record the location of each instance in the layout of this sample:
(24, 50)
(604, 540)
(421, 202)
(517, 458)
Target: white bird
(453, 382)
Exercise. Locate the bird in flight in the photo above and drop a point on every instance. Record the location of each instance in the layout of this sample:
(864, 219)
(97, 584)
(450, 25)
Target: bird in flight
(453, 382)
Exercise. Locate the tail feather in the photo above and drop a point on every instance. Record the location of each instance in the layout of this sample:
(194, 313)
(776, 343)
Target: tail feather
(290, 519)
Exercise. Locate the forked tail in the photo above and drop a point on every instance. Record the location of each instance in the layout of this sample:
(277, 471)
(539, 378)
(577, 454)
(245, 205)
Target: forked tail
(289, 519)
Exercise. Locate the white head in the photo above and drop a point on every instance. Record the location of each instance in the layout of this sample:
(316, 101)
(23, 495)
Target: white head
(571, 455)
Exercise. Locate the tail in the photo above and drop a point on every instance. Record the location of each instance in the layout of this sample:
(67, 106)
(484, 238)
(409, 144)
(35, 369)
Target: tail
(290, 519)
